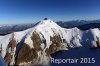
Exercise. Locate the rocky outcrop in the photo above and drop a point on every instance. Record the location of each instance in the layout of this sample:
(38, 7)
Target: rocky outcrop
(98, 42)
(37, 55)
(9, 57)
(56, 44)
(25, 55)
(36, 41)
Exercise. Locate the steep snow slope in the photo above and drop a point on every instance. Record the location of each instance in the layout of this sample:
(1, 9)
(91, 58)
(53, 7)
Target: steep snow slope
(96, 37)
(81, 24)
(73, 37)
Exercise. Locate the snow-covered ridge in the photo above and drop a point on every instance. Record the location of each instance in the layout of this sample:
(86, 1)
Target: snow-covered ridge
(34, 45)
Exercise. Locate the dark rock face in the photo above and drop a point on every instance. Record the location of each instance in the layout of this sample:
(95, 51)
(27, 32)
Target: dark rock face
(45, 18)
(10, 50)
(37, 41)
(26, 54)
(56, 44)
(98, 42)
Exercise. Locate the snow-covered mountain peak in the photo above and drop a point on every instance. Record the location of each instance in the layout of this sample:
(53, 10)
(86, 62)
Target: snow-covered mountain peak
(35, 45)
(46, 22)
(47, 26)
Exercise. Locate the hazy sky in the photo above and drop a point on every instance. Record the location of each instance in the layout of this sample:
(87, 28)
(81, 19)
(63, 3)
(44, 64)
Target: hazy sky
(28, 11)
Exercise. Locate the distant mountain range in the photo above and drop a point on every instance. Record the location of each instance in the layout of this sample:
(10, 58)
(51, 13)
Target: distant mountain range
(76, 23)
(89, 26)
(6, 29)
(81, 24)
